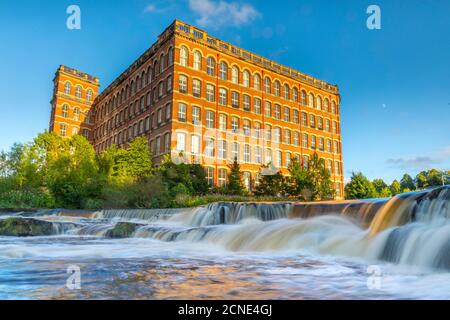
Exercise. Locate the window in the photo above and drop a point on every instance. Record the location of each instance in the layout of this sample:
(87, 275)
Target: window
(223, 71)
(246, 127)
(196, 116)
(209, 148)
(158, 145)
(277, 111)
(235, 75)
(267, 109)
(169, 58)
(313, 142)
(327, 125)
(67, 88)
(196, 88)
(235, 99)
(182, 84)
(286, 92)
(257, 105)
(166, 142)
(223, 96)
(235, 124)
(246, 102)
(222, 149)
(211, 66)
(78, 92)
(335, 146)
(267, 85)
(246, 79)
(276, 88)
(287, 159)
(326, 105)
(295, 94)
(161, 63)
(247, 156)
(210, 93)
(295, 118)
(169, 84)
(168, 111)
(181, 142)
(197, 60)
(278, 159)
(235, 152)
(333, 107)
(320, 123)
(210, 175)
(334, 127)
(319, 103)
(195, 145)
(296, 139)
(76, 114)
(147, 124)
(311, 100)
(303, 98)
(222, 177)
(63, 130)
(312, 121)
(328, 145)
(138, 83)
(268, 132)
(257, 130)
(330, 166)
(287, 114)
(65, 111)
(258, 155)
(160, 116)
(182, 108)
(256, 82)
(223, 122)
(277, 135)
(304, 119)
(320, 143)
(89, 95)
(305, 140)
(287, 136)
(161, 89)
(149, 75)
(74, 131)
(184, 56)
(337, 168)
(305, 161)
(209, 119)
(268, 156)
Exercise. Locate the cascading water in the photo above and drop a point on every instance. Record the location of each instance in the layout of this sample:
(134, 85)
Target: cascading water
(411, 229)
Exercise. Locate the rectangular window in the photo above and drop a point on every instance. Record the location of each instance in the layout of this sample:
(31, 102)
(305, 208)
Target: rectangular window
(313, 142)
(210, 93)
(182, 112)
(267, 109)
(234, 99)
(312, 121)
(181, 142)
(222, 177)
(196, 116)
(182, 84)
(257, 105)
(158, 145)
(209, 119)
(222, 149)
(168, 111)
(287, 114)
(258, 155)
(209, 148)
(287, 136)
(195, 145)
(166, 142)
(196, 88)
(223, 97)
(159, 116)
(210, 175)
(304, 119)
(295, 118)
(320, 143)
(247, 153)
(277, 111)
(246, 102)
(305, 141)
(235, 124)
(222, 122)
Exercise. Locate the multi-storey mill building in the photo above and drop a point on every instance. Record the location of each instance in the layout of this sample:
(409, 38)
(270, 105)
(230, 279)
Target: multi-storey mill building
(202, 100)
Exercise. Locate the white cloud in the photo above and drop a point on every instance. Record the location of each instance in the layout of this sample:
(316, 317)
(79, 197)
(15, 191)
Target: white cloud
(419, 163)
(150, 8)
(218, 13)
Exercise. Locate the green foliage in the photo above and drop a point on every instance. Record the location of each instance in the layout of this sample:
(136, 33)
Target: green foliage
(395, 187)
(407, 183)
(235, 185)
(360, 187)
(270, 184)
(321, 185)
(298, 184)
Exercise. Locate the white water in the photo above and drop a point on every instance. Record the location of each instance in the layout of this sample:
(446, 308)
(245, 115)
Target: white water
(267, 250)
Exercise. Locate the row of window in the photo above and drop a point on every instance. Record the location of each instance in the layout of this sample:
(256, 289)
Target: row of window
(76, 114)
(63, 131)
(78, 91)
(245, 79)
(210, 96)
(311, 121)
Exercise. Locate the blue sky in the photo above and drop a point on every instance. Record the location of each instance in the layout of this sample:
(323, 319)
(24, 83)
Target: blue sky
(394, 82)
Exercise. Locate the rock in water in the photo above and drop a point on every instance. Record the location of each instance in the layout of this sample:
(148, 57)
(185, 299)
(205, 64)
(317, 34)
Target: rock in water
(123, 230)
(25, 227)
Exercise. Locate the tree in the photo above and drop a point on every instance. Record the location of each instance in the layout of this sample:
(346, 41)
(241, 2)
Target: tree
(359, 187)
(395, 187)
(319, 177)
(407, 183)
(235, 185)
(299, 179)
(269, 184)
(379, 185)
(138, 159)
(422, 180)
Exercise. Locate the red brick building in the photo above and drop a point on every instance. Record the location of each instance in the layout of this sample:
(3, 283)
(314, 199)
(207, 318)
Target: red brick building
(202, 100)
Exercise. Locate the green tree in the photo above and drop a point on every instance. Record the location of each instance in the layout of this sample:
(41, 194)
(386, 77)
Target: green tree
(379, 185)
(235, 185)
(138, 159)
(407, 183)
(269, 184)
(319, 177)
(298, 180)
(422, 180)
(359, 187)
(395, 187)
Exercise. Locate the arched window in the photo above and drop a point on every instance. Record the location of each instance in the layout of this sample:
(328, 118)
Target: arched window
(276, 88)
(319, 102)
(211, 66)
(89, 95)
(76, 114)
(161, 63)
(184, 56)
(197, 60)
(286, 91)
(133, 88)
(267, 85)
(326, 105)
(149, 75)
(246, 78)
(311, 100)
(303, 98)
(67, 87)
(78, 92)
(138, 83)
(223, 71)
(333, 107)
(170, 56)
(65, 111)
(143, 79)
(295, 94)
(256, 82)
(235, 74)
